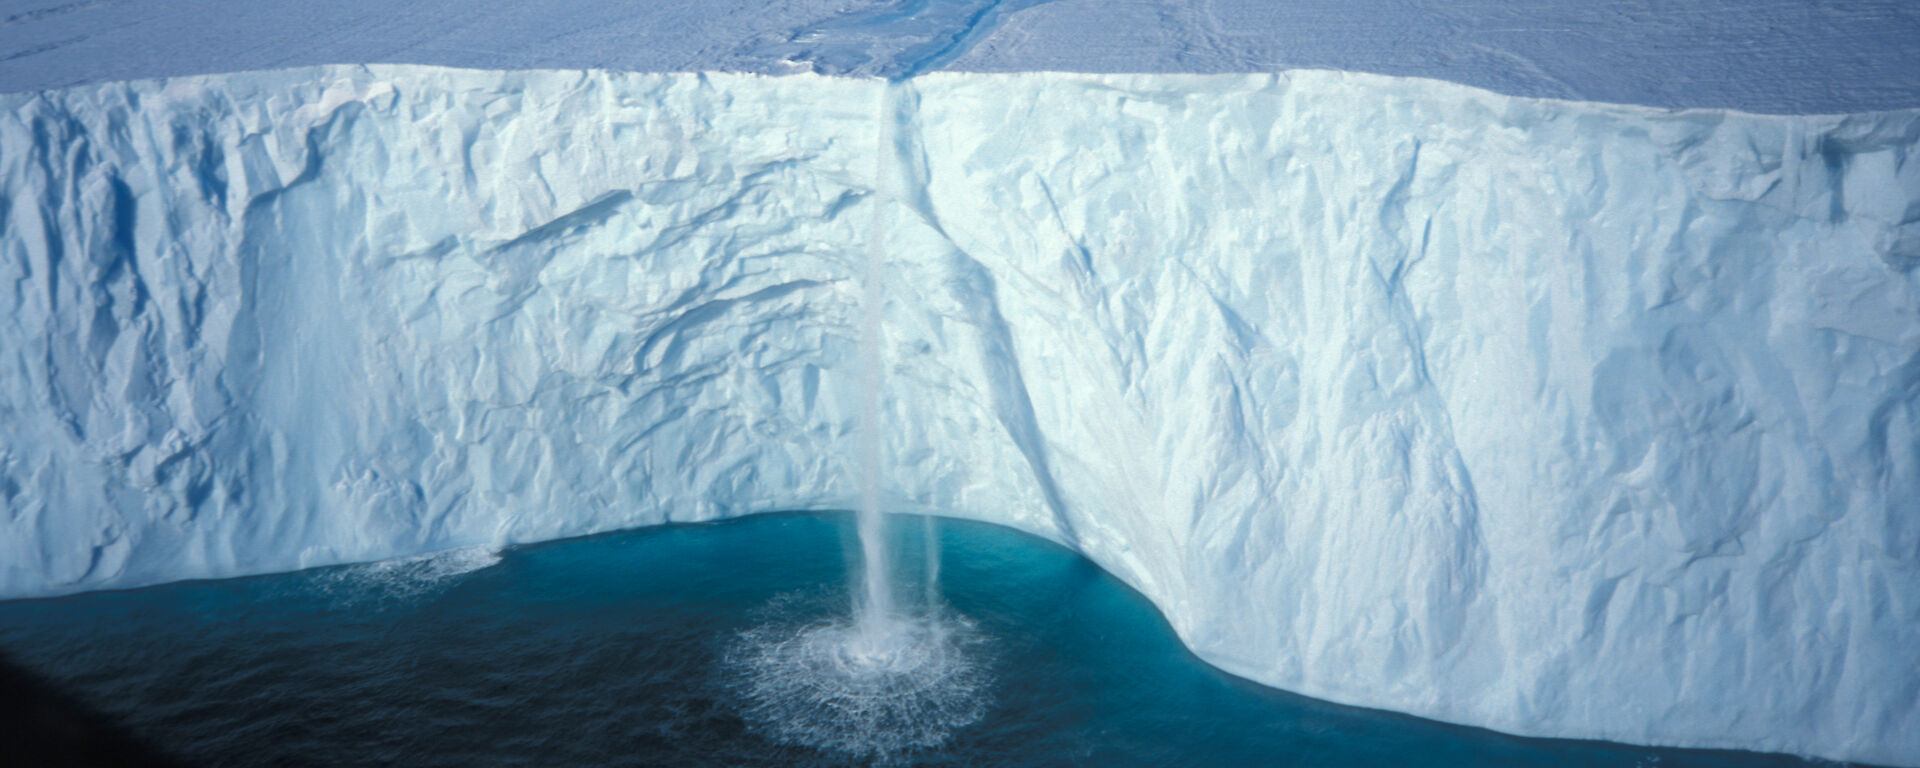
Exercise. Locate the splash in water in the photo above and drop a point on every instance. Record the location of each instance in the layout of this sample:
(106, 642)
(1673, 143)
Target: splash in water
(402, 579)
(837, 685)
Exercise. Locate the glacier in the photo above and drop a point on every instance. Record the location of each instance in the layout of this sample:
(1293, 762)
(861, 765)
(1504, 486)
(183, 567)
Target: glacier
(1559, 418)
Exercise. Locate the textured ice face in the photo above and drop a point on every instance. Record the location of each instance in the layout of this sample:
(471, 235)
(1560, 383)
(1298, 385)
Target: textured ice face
(1550, 417)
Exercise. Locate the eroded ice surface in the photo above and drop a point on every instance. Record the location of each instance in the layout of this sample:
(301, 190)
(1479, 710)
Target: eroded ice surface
(1552, 417)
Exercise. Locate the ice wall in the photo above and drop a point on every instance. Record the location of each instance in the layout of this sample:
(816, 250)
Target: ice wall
(1557, 418)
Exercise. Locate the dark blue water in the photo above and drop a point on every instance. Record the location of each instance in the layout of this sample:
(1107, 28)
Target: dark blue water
(623, 650)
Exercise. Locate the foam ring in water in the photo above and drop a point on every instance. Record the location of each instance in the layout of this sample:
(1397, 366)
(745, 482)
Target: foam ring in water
(879, 691)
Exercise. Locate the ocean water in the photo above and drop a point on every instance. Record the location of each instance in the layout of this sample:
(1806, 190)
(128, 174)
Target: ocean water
(639, 648)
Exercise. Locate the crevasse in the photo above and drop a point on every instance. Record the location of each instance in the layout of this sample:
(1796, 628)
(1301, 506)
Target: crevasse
(1558, 418)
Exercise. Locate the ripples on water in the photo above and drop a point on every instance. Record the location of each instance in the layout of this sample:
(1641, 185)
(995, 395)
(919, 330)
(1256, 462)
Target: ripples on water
(826, 684)
(712, 645)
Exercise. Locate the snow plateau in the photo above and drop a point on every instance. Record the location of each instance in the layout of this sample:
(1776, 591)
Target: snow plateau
(1558, 418)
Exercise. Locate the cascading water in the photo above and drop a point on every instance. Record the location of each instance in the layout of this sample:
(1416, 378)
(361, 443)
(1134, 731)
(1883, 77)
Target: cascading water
(886, 680)
(876, 611)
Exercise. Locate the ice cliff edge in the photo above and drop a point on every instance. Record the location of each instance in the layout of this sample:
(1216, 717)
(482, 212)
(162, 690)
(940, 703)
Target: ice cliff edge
(1557, 418)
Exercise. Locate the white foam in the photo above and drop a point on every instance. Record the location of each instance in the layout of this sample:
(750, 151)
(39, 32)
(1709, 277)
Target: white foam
(406, 578)
(838, 685)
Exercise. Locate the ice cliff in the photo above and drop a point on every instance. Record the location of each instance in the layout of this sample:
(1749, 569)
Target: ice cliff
(1552, 417)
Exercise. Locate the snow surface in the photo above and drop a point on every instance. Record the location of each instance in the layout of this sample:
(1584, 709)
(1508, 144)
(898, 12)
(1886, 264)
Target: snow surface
(1781, 56)
(1556, 418)
(1786, 57)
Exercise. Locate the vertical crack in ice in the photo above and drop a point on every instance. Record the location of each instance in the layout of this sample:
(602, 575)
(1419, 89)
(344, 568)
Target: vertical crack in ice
(977, 292)
(1465, 583)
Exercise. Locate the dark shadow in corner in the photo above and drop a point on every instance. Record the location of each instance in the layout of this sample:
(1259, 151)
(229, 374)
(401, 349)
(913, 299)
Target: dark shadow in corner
(40, 726)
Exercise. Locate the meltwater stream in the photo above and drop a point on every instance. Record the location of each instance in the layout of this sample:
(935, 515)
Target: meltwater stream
(625, 649)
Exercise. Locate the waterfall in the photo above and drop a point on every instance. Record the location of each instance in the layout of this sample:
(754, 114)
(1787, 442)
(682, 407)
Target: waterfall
(891, 679)
(874, 604)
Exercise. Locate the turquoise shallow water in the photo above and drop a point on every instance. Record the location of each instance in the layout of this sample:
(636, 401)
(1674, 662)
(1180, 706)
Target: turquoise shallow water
(623, 649)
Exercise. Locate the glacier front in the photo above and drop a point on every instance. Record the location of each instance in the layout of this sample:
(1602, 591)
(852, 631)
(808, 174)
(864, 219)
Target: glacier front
(1558, 418)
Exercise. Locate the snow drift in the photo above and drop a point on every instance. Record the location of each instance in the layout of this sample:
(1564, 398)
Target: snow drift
(1557, 418)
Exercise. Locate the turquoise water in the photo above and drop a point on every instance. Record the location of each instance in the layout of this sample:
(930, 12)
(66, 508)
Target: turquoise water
(626, 649)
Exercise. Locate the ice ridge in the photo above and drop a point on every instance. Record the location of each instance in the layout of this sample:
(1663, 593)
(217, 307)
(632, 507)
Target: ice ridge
(1558, 418)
